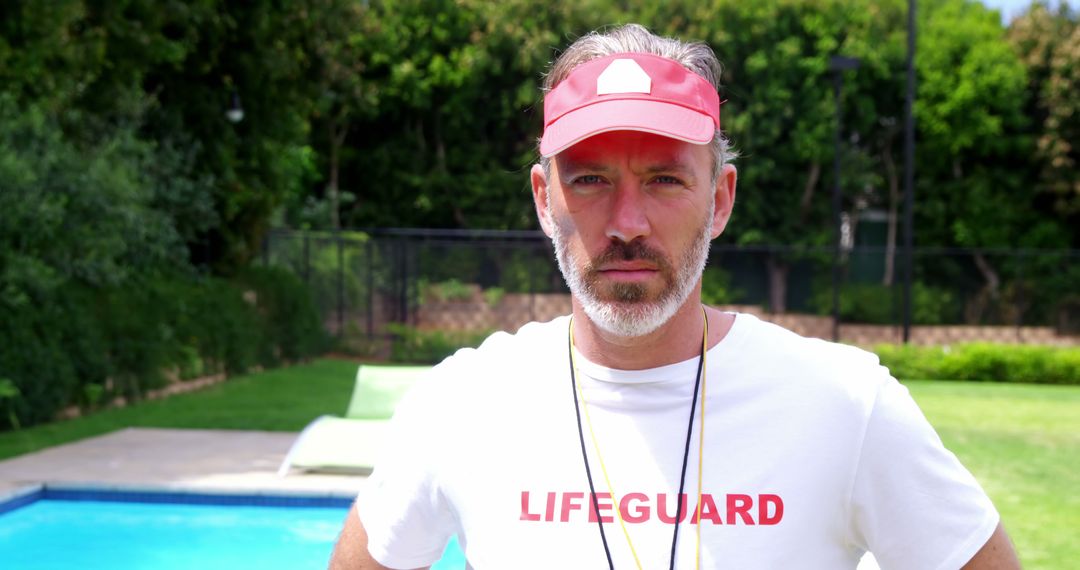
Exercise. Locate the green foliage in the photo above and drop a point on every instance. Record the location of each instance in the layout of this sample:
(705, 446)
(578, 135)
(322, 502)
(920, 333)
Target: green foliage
(412, 345)
(284, 399)
(872, 303)
(1049, 45)
(76, 210)
(80, 345)
(451, 290)
(9, 392)
(494, 295)
(716, 287)
(983, 362)
(287, 313)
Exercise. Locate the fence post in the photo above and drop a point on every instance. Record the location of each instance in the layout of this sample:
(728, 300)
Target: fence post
(1022, 259)
(266, 249)
(307, 259)
(403, 278)
(340, 285)
(532, 290)
(370, 288)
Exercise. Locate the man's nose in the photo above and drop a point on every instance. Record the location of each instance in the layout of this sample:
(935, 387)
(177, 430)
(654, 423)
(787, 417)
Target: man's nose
(628, 219)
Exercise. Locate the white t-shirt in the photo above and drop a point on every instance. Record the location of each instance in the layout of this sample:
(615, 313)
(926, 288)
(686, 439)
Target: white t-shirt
(813, 455)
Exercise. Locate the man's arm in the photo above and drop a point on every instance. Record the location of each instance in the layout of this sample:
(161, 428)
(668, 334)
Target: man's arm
(351, 552)
(997, 554)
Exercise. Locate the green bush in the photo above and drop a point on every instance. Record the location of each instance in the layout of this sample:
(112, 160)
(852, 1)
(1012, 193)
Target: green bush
(288, 314)
(429, 347)
(873, 303)
(34, 359)
(983, 362)
(716, 287)
(81, 345)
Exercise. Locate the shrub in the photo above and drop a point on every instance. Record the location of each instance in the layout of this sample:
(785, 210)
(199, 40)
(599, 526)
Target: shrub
(984, 362)
(287, 312)
(716, 287)
(81, 345)
(429, 347)
(873, 303)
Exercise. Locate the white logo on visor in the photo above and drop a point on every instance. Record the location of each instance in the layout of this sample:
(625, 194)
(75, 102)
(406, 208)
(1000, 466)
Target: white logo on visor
(623, 76)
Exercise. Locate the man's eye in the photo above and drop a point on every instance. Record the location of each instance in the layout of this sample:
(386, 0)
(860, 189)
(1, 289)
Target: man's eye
(665, 179)
(588, 179)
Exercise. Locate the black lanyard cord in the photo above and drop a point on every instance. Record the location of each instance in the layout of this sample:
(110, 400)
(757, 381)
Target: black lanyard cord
(686, 451)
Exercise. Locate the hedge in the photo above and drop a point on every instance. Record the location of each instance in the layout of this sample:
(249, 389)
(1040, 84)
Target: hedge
(412, 345)
(81, 345)
(983, 362)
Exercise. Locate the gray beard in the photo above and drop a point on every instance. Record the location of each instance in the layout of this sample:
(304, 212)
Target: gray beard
(630, 314)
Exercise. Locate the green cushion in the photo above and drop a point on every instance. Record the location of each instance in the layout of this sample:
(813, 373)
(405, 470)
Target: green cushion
(379, 389)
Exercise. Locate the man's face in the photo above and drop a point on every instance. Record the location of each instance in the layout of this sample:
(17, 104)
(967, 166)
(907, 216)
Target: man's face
(631, 215)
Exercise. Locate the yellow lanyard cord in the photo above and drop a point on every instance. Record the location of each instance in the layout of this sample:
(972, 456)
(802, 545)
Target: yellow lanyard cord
(701, 450)
(701, 435)
(603, 469)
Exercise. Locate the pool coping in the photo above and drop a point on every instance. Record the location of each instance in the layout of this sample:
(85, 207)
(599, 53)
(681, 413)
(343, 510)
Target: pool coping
(159, 494)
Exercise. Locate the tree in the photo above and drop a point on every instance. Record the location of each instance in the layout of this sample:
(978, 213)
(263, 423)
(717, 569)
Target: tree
(974, 138)
(780, 114)
(1048, 44)
(456, 86)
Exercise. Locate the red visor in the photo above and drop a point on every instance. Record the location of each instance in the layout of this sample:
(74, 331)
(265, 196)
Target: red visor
(629, 92)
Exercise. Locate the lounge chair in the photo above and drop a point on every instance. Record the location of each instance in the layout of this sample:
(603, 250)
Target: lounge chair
(349, 444)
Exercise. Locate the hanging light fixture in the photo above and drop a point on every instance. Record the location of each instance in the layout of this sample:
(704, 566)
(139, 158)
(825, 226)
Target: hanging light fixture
(235, 112)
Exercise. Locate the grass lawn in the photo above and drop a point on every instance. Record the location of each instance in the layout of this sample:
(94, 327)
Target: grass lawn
(1021, 441)
(285, 399)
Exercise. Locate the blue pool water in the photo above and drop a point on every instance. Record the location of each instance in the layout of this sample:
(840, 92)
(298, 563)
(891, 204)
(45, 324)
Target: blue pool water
(93, 535)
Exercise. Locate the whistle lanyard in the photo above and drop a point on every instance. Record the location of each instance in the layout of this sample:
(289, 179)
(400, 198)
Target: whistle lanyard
(580, 405)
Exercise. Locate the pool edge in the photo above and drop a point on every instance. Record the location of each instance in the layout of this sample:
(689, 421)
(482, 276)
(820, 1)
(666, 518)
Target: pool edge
(26, 495)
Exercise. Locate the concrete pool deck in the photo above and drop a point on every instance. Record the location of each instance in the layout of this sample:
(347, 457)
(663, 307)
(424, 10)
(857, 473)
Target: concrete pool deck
(214, 461)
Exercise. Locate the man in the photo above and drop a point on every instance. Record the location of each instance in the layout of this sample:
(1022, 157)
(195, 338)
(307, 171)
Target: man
(648, 431)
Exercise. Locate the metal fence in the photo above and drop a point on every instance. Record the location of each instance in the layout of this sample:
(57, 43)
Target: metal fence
(365, 281)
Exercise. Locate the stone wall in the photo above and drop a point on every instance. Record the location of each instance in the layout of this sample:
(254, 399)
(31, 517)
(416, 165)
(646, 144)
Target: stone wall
(514, 310)
(509, 313)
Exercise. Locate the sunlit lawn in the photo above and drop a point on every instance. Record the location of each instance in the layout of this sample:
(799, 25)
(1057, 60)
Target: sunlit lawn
(1021, 441)
(1023, 444)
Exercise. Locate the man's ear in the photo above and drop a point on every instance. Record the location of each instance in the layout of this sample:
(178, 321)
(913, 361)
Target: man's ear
(724, 199)
(540, 190)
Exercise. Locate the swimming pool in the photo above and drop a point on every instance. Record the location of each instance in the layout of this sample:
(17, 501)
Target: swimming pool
(127, 531)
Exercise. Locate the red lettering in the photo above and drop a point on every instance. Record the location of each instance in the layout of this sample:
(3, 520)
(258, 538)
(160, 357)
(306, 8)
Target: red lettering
(568, 505)
(740, 505)
(637, 508)
(525, 514)
(641, 514)
(763, 509)
(661, 508)
(599, 504)
(707, 510)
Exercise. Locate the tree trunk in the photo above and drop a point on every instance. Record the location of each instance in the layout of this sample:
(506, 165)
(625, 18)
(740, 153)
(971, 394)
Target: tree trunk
(985, 299)
(440, 165)
(778, 271)
(337, 132)
(808, 191)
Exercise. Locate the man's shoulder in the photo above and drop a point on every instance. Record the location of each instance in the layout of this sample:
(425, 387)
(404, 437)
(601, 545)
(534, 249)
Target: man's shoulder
(778, 350)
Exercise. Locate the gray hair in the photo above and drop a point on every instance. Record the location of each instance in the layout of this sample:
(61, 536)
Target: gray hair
(634, 38)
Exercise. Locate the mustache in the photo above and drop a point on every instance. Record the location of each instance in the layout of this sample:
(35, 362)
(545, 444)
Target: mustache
(634, 250)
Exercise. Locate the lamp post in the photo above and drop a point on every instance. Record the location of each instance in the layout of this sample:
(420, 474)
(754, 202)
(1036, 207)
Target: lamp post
(909, 172)
(837, 65)
(235, 113)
